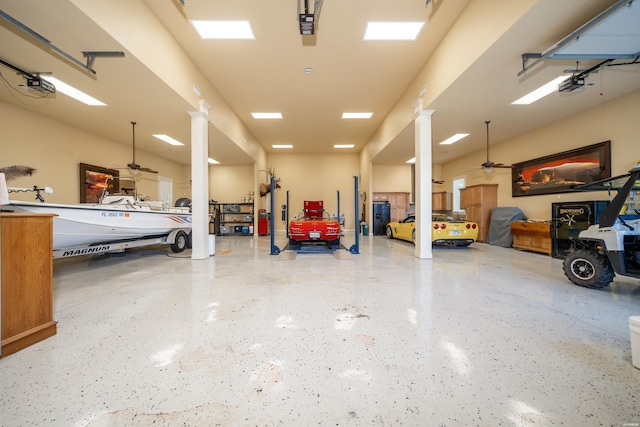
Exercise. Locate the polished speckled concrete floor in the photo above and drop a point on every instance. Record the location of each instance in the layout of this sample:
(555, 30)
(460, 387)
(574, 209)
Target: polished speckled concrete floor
(482, 336)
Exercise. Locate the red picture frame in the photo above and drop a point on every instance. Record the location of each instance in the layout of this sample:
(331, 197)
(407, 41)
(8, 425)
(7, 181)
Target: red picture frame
(562, 172)
(95, 181)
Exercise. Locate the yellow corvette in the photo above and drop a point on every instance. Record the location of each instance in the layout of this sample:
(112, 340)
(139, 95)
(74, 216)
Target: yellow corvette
(445, 230)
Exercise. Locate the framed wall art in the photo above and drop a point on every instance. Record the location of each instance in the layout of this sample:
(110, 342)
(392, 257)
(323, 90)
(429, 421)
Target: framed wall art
(562, 172)
(95, 180)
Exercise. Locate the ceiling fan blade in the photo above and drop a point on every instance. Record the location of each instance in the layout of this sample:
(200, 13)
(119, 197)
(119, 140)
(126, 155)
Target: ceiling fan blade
(489, 164)
(133, 165)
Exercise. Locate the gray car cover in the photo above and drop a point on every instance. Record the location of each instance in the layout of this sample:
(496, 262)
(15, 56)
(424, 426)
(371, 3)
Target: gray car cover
(500, 227)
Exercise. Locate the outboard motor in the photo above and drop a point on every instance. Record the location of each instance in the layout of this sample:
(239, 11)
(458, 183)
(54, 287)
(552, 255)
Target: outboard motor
(183, 202)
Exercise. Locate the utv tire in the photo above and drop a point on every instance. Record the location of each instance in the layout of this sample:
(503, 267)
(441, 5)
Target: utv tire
(588, 269)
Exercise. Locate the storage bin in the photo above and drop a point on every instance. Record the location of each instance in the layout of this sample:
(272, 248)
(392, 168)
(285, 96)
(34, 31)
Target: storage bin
(212, 244)
(634, 329)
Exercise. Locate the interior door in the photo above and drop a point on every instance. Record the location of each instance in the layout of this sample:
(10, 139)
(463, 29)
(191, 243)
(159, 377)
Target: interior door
(165, 190)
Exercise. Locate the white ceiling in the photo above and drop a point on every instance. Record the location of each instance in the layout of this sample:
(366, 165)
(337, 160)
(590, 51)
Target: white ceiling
(267, 74)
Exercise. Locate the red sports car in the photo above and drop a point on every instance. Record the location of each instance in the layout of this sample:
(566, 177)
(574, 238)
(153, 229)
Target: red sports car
(314, 225)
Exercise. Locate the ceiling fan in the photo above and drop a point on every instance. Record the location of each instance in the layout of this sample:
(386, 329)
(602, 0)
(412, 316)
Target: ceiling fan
(488, 166)
(133, 166)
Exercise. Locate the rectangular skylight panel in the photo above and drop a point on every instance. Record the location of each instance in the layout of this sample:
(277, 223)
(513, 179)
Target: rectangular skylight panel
(168, 139)
(74, 93)
(455, 138)
(267, 115)
(541, 92)
(392, 30)
(224, 30)
(357, 115)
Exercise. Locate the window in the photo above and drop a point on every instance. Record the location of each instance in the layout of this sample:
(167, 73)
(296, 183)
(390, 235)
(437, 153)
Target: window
(458, 183)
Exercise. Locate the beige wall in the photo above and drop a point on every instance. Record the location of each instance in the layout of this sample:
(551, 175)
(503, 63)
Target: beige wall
(388, 178)
(615, 120)
(55, 150)
(313, 177)
(229, 184)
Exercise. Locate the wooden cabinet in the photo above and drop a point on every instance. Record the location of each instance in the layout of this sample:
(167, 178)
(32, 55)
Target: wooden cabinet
(532, 236)
(26, 280)
(398, 201)
(441, 201)
(478, 201)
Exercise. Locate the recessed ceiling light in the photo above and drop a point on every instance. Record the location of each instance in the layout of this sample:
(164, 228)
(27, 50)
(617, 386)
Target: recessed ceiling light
(343, 146)
(541, 92)
(455, 138)
(225, 30)
(168, 139)
(282, 146)
(74, 93)
(308, 70)
(413, 160)
(392, 30)
(213, 161)
(267, 115)
(357, 115)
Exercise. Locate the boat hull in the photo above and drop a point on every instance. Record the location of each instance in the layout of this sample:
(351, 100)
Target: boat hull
(83, 225)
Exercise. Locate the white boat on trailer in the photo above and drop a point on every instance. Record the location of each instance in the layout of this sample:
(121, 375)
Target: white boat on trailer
(116, 224)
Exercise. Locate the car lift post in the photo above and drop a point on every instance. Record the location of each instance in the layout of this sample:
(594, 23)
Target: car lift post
(355, 249)
(338, 214)
(274, 249)
(286, 215)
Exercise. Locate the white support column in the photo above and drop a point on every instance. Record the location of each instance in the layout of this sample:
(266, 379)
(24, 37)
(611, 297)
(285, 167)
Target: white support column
(200, 181)
(423, 166)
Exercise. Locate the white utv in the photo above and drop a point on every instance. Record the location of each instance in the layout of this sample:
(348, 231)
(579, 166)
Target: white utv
(613, 245)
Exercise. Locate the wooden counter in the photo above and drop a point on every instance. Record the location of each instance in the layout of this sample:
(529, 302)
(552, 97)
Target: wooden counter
(26, 280)
(532, 236)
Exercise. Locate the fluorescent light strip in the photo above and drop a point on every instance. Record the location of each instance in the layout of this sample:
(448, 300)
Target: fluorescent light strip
(392, 30)
(357, 115)
(282, 146)
(213, 161)
(455, 138)
(74, 93)
(413, 160)
(541, 92)
(224, 30)
(343, 146)
(267, 115)
(168, 139)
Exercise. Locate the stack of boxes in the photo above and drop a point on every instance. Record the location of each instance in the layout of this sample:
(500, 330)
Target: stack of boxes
(248, 198)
